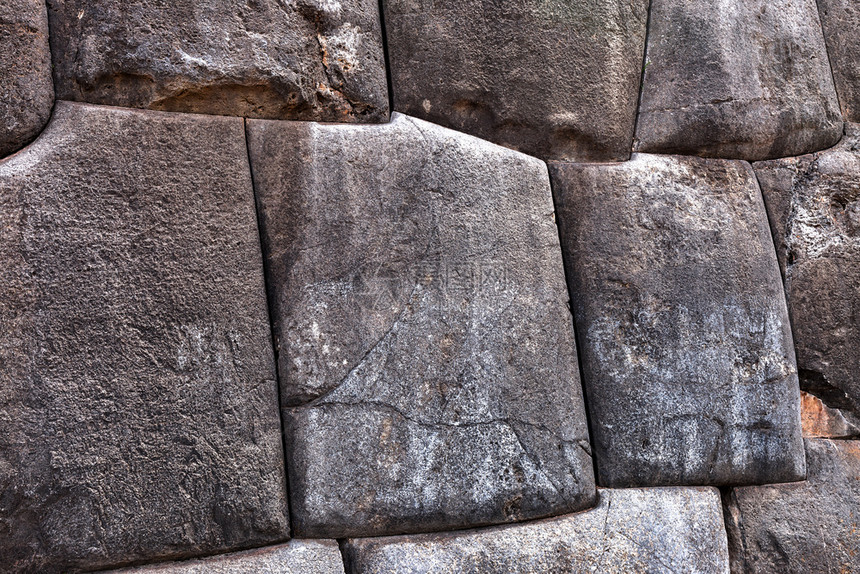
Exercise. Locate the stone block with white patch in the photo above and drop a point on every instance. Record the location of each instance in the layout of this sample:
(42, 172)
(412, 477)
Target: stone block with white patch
(301, 60)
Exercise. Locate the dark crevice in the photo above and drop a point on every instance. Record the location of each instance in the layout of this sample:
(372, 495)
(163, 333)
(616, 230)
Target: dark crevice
(576, 336)
(734, 531)
(269, 296)
(642, 76)
(386, 57)
(346, 556)
(816, 383)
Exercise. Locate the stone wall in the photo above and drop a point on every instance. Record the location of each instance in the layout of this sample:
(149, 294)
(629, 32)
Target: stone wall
(339, 286)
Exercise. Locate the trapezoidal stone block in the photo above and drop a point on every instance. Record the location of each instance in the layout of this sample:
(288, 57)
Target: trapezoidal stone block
(745, 79)
(840, 20)
(687, 356)
(428, 368)
(806, 527)
(26, 87)
(302, 60)
(294, 557)
(814, 206)
(552, 79)
(139, 414)
(631, 530)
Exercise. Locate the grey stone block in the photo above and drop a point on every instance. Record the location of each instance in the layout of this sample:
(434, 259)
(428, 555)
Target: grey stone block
(662, 530)
(26, 88)
(426, 352)
(746, 79)
(804, 527)
(558, 80)
(687, 356)
(294, 557)
(814, 206)
(304, 59)
(139, 412)
(840, 20)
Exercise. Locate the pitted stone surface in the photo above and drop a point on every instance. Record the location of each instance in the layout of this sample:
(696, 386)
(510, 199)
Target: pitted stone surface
(139, 405)
(840, 20)
(428, 367)
(814, 206)
(295, 59)
(662, 530)
(558, 80)
(26, 88)
(687, 354)
(807, 527)
(746, 79)
(294, 557)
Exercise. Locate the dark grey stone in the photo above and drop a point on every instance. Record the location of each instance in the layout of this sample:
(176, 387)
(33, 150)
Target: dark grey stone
(303, 59)
(294, 557)
(746, 79)
(138, 401)
(26, 88)
(807, 527)
(428, 367)
(814, 206)
(660, 531)
(559, 80)
(687, 354)
(840, 20)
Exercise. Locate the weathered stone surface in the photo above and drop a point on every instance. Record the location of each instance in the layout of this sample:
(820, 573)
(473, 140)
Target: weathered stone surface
(803, 527)
(553, 79)
(26, 88)
(663, 530)
(686, 348)
(424, 337)
(813, 203)
(138, 402)
(744, 79)
(821, 421)
(294, 557)
(298, 59)
(840, 20)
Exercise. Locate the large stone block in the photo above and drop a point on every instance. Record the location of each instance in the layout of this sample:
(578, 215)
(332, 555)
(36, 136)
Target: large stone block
(840, 20)
(299, 59)
(26, 88)
(428, 368)
(687, 356)
(558, 80)
(138, 401)
(294, 557)
(804, 527)
(663, 530)
(745, 79)
(814, 206)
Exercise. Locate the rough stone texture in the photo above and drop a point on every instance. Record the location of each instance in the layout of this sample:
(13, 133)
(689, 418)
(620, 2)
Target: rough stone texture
(294, 557)
(803, 527)
(296, 59)
(840, 20)
(814, 206)
(421, 319)
(821, 421)
(744, 79)
(687, 355)
(26, 88)
(660, 531)
(138, 402)
(558, 80)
